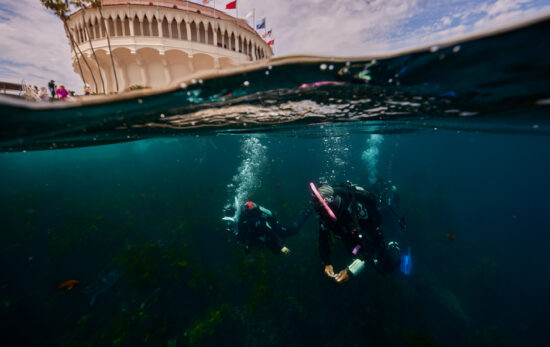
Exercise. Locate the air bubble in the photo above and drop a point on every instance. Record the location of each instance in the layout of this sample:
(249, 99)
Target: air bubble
(434, 49)
(331, 67)
(246, 83)
(162, 115)
(183, 85)
(140, 101)
(267, 73)
(323, 67)
(456, 49)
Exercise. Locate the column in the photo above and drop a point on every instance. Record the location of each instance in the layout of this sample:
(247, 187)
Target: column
(215, 35)
(190, 64)
(159, 25)
(142, 72)
(132, 27)
(188, 29)
(167, 74)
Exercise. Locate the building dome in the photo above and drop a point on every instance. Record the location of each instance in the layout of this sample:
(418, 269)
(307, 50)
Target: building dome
(157, 43)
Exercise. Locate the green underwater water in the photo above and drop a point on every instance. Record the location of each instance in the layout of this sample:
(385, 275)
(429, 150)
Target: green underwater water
(152, 210)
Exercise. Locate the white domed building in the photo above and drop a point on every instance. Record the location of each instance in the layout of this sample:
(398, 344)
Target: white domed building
(157, 43)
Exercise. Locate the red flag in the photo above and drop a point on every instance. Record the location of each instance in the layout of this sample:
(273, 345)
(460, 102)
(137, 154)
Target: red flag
(271, 42)
(232, 5)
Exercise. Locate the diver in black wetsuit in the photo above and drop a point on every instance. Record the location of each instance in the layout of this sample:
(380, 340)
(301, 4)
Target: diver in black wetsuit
(349, 212)
(256, 227)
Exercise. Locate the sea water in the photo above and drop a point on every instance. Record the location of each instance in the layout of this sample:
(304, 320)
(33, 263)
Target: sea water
(138, 188)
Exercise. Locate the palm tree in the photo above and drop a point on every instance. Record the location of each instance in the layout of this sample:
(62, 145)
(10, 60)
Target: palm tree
(59, 7)
(55, 7)
(97, 4)
(82, 5)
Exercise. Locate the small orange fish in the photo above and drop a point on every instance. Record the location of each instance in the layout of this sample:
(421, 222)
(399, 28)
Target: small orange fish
(67, 285)
(451, 236)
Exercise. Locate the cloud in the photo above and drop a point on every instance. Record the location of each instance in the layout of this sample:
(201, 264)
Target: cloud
(33, 45)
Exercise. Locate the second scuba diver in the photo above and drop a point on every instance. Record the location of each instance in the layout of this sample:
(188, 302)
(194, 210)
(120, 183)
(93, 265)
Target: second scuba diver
(255, 226)
(349, 212)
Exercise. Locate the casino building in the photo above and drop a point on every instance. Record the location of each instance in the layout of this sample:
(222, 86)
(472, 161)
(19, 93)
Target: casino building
(156, 43)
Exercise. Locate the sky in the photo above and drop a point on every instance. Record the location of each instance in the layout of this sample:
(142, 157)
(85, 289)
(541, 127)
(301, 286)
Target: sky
(34, 48)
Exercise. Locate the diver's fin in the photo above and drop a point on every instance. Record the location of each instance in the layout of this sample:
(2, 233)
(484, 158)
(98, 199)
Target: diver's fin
(229, 219)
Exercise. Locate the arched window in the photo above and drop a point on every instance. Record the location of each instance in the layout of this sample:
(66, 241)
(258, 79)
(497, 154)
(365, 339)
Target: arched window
(226, 40)
(245, 48)
(146, 27)
(183, 29)
(220, 38)
(118, 29)
(126, 26)
(165, 30)
(232, 41)
(240, 45)
(174, 27)
(210, 35)
(90, 29)
(193, 31)
(202, 33)
(137, 27)
(154, 27)
(96, 29)
(111, 27)
(73, 32)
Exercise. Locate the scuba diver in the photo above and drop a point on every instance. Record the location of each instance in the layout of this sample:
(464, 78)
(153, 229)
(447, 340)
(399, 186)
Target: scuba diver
(255, 226)
(350, 213)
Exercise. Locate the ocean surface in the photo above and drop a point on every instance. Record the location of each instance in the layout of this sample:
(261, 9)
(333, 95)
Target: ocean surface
(127, 198)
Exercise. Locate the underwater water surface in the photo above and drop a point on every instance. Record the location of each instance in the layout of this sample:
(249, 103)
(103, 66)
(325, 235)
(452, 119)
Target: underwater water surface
(127, 199)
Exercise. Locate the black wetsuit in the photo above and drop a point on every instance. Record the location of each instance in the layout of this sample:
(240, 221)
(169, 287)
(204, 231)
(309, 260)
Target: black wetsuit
(258, 228)
(358, 225)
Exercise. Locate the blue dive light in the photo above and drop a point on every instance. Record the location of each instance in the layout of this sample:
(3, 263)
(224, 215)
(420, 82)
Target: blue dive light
(406, 263)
